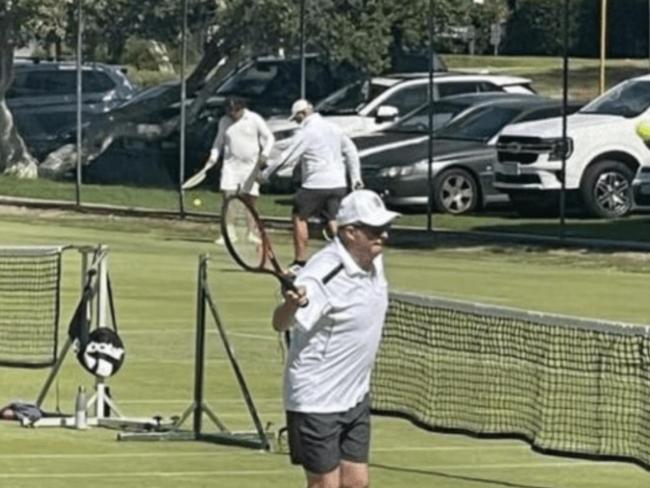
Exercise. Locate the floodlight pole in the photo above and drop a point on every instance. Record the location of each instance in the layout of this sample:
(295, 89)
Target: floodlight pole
(79, 100)
(603, 44)
(565, 89)
(183, 124)
(303, 82)
(430, 139)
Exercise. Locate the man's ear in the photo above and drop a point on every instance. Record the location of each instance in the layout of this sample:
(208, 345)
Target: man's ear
(347, 232)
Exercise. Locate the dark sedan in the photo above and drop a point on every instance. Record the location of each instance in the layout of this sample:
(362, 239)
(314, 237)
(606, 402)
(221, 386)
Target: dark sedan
(463, 154)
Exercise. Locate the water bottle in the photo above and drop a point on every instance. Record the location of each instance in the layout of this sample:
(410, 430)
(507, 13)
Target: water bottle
(80, 420)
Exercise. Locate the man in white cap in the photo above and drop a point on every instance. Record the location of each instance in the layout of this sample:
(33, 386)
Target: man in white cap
(329, 165)
(336, 320)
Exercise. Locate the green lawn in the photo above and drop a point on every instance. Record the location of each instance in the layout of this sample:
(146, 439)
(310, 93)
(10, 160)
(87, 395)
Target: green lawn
(501, 220)
(153, 267)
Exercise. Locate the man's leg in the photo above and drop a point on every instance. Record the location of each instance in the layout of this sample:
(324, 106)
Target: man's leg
(313, 444)
(300, 238)
(355, 446)
(331, 208)
(225, 194)
(331, 228)
(354, 475)
(327, 480)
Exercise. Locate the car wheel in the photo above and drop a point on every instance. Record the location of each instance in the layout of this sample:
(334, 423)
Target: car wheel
(455, 191)
(606, 189)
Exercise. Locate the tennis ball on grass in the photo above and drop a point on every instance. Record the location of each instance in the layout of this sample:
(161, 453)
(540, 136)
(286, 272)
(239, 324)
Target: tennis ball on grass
(643, 130)
(197, 202)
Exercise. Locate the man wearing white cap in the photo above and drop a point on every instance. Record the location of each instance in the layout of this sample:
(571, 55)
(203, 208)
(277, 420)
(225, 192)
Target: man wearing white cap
(328, 160)
(336, 319)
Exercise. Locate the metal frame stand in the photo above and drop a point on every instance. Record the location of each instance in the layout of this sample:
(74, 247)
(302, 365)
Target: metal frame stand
(94, 284)
(258, 439)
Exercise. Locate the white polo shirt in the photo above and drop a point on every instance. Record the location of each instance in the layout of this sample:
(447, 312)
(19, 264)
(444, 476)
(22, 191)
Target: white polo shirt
(336, 337)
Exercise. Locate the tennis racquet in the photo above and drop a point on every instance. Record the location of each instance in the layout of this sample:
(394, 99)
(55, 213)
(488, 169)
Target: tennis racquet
(198, 178)
(247, 241)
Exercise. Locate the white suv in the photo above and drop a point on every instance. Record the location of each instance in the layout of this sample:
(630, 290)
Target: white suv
(603, 155)
(374, 104)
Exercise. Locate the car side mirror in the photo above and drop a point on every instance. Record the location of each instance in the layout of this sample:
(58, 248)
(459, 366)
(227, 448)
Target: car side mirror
(386, 113)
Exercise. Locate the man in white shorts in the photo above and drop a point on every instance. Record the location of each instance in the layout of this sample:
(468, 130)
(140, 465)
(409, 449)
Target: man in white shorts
(336, 320)
(245, 142)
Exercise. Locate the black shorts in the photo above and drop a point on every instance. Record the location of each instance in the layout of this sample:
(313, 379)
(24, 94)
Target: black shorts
(319, 441)
(316, 202)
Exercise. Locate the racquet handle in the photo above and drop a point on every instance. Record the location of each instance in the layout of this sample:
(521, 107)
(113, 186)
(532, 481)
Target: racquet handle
(287, 284)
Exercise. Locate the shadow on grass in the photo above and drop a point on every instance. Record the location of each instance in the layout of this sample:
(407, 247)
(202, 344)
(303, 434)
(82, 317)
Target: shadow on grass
(504, 226)
(440, 474)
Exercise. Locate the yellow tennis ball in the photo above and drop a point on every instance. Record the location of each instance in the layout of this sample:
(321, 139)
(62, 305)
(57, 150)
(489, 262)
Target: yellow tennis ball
(643, 130)
(197, 202)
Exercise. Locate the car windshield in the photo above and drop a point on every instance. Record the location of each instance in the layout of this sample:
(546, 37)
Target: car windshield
(351, 98)
(418, 120)
(252, 81)
(628, 99)
(479, 125)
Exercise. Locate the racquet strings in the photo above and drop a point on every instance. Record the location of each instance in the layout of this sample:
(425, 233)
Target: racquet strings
(244, 234)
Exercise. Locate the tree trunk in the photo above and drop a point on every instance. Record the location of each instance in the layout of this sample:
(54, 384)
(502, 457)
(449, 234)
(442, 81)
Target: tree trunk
(15, 158)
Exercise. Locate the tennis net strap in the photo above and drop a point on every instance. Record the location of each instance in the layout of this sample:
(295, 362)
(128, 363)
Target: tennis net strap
(29, 305)
(564, 384)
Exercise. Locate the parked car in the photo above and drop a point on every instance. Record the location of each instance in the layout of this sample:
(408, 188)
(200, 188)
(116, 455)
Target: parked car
(43, 98)
(376, 103)
(270, 84)
(603, 153)
(414, 127)
(463, 155)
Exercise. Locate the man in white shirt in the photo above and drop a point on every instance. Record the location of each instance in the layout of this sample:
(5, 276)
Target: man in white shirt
(328, 159)
(245, 142)
(336, 319)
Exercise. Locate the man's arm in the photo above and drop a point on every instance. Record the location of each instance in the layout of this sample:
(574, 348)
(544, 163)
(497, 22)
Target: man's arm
(288, 157)
(218, 143)
(266, 139)
(283, 315)
(351, 158)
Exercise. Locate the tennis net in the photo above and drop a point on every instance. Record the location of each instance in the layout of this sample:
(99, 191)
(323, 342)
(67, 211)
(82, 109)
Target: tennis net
(29, 305)
(564, 384)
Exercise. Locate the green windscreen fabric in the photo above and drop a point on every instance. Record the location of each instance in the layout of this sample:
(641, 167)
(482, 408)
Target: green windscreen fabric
(29, 305)
(564, 384)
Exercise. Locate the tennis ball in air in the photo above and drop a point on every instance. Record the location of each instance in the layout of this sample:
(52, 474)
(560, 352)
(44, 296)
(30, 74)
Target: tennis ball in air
(197, 202)
(643, 130)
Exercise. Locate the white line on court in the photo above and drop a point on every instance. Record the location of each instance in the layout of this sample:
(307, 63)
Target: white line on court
(148, 332)
(116, 455)
(263, 472)
(218, 400)
(249, 453)
(141, 474)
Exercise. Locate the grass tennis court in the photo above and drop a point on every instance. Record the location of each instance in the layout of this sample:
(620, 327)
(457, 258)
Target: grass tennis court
(153, 268)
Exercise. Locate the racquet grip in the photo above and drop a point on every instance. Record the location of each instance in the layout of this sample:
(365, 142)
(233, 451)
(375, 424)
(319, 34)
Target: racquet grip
(287, 284)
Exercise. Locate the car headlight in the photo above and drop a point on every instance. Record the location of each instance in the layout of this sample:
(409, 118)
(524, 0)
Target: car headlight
(558, 147)
(390, 172)
(398, 171)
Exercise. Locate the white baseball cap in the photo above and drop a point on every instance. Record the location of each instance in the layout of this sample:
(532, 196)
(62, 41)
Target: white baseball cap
(365, 207)
(299, 106)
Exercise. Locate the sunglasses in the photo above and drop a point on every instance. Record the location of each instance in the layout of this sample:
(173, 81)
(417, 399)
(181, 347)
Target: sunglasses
(373, 231)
